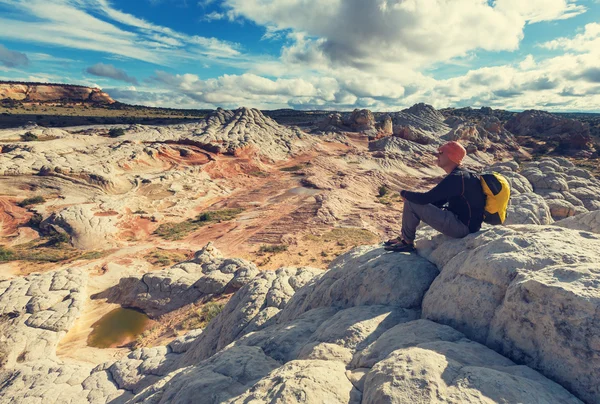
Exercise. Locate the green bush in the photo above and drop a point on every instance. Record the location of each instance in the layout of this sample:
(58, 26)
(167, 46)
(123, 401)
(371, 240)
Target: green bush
(5, 254)
(211, 310)
(177, 231)
(35, 220)
(29, 137)
(218, 215)
(31, 201)
(292, 168)
(272, 249)
(383, 191)
(57, 239)
(116, 132)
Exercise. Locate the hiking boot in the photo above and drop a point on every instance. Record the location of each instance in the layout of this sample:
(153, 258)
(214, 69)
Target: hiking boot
(392, 241)
(402, 246)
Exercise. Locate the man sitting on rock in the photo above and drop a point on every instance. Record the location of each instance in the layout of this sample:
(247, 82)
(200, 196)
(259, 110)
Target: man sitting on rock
(454, 207)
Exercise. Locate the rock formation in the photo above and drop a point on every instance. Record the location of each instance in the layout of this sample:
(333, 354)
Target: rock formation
(486, 135)
(234, 131)
(508, 314)
(522, 291)
(48, 93)
(208, 274)
(85, 228)
(511, 317)
(420, 123)
(36, 312)
(573, 133)
(559, 187)
(586, 221)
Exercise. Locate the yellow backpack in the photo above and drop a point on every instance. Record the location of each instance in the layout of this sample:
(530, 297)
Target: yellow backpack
(497, 194)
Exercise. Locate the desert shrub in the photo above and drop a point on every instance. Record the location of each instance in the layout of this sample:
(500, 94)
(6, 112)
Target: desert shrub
(382, 191)
(272, 248)
(31, 201)
(258, 173)
(218, 215)
(211, 310)
(6, 254)
(165, 258)
(35, 220)
(176, 231)
(201, 317)
(29, 137)
(116, 132)
(57, 239)
(292, 168)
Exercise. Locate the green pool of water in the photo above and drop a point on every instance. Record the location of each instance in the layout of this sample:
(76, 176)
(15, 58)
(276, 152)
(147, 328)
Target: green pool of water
(118, 327)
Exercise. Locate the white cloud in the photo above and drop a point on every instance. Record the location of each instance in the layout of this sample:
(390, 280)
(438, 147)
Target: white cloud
(584, 42)
(214, 16)
(540, 10)
(412, 33)
(338, 54)
(527, 63)
(90, 25)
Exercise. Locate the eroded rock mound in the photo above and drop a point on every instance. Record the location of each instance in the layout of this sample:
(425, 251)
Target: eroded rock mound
(488, 134)
(551, 184)
(207, 274)
(586, 221)
(235, 131)
(339, 325)
(531, 293)
(87, 230)
(36, 312)
(575, 134)
(420, 123)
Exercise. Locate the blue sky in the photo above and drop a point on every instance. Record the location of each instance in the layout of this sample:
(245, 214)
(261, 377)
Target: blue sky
(383, 55)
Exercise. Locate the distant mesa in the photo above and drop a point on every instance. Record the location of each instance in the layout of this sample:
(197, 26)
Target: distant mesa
(48, 93)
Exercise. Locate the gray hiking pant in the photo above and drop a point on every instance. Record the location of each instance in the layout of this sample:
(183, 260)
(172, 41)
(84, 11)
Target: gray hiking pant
(443, 221)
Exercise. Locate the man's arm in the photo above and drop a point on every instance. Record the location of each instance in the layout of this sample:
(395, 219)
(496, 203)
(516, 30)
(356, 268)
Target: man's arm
(451, 185)
(439, 204)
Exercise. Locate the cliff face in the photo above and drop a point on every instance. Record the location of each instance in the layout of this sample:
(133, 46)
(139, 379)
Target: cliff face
(53, 93)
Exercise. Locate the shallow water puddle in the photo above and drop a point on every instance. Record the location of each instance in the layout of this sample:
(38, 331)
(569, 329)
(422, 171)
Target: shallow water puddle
(117, 328)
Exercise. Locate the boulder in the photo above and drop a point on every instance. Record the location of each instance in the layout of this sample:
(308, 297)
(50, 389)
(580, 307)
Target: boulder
(252, 307)
(575, 134)
(36, 312)
(366, 275)
(586, 221)
(86, 229)
(529, 292)
(207, 274)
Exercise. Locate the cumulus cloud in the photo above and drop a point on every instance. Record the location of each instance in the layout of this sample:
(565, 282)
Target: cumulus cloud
(103, 70)
(338, 54)
(10, 58)
(409, 32)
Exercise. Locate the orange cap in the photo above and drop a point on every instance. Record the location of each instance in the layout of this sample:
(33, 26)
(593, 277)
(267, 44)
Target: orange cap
(454, 150)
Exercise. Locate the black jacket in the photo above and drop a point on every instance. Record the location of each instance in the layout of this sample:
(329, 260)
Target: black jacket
(461, 190)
